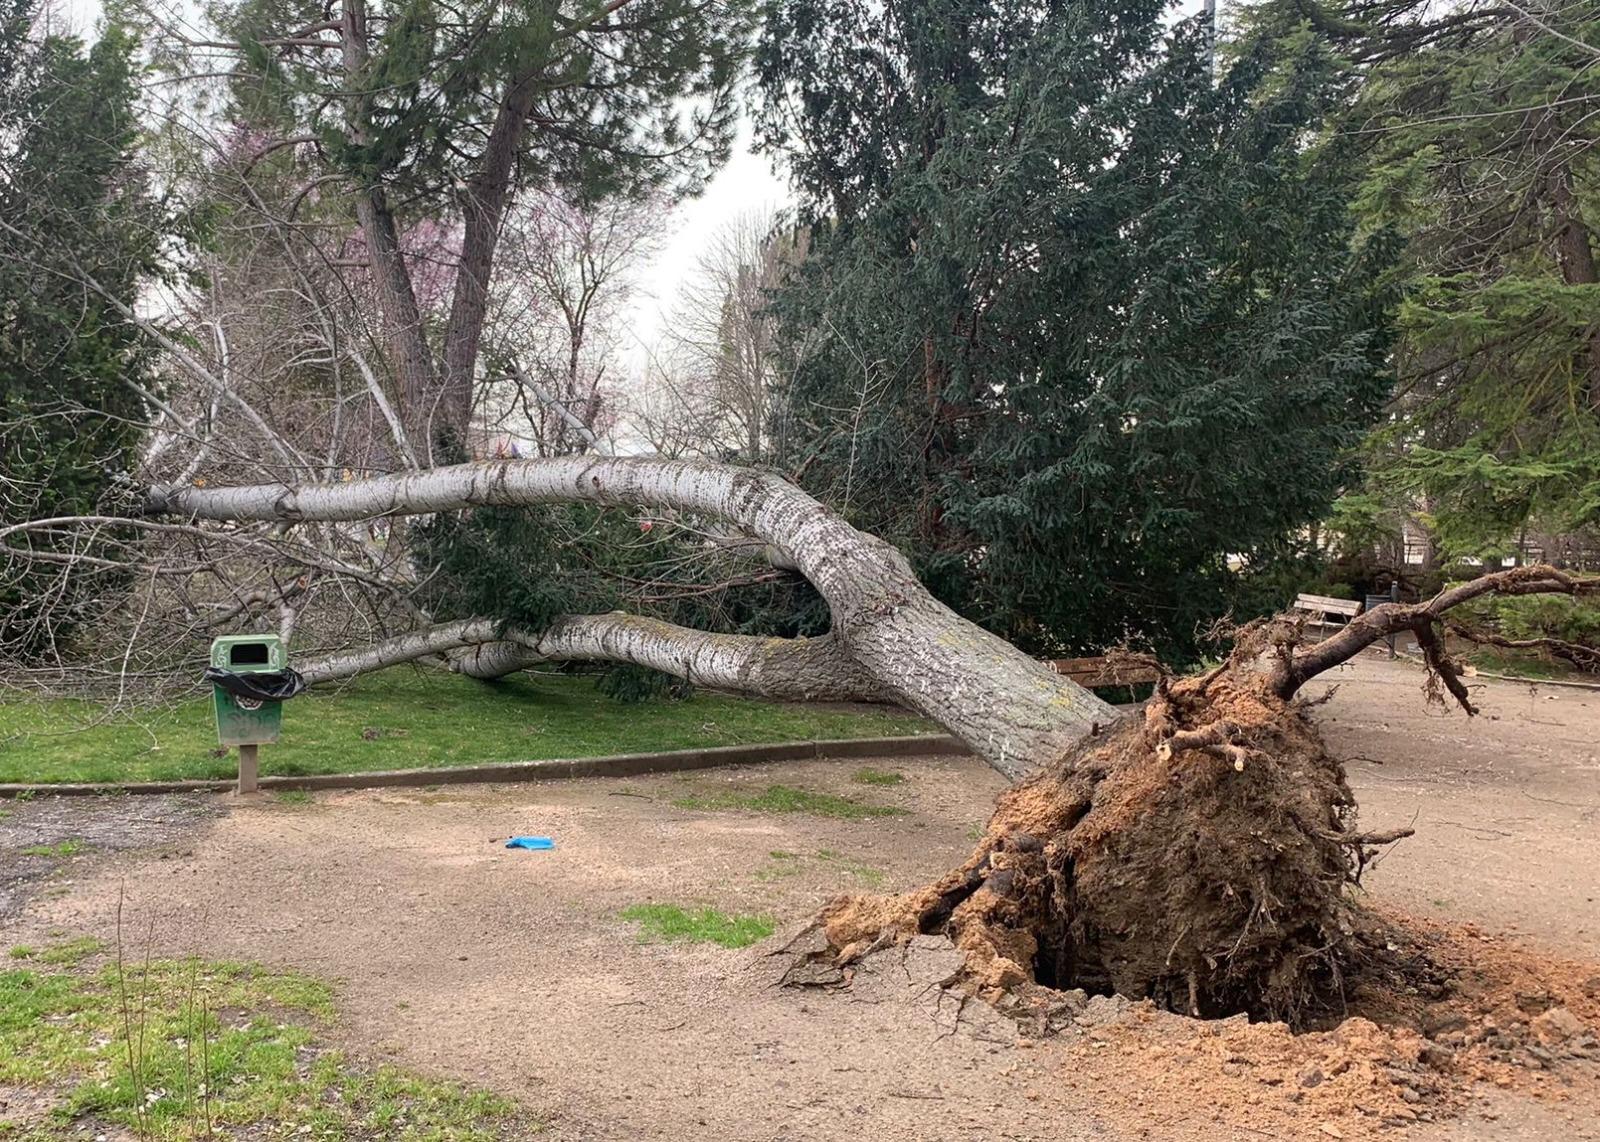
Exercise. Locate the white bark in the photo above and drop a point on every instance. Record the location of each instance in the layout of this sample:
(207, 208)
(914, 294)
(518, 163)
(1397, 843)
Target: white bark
(1010, 709)
(797, 669)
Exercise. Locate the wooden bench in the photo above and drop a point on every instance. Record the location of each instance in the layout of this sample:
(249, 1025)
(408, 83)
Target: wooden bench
(1325, 605)
(1092, 672)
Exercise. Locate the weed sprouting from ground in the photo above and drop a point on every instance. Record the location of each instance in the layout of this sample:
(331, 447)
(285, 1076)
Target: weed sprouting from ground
(701, 926)
(62, 849)
(788, 799)
(867, 775)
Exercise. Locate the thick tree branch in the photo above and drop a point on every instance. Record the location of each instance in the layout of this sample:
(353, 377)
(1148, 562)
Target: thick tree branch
(1423, 620)
(799, 669)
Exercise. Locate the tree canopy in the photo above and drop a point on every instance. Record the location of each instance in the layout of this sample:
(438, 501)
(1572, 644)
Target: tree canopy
(1079, 324)
(78, 236)
(1482, 152)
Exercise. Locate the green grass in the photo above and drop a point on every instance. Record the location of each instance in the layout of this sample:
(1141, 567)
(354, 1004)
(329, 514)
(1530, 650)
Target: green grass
(788, 799)
(69, 847)
(866, 775)
(179, 1049)
(702, 926)
(408, 719)
(71, 952)
(292, 797)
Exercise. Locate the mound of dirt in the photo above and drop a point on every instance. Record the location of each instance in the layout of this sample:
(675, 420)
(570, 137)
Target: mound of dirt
(1450, 1010)
(1437, 1016)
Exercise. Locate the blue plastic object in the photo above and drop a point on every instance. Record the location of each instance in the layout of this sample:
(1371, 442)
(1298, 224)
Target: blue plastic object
(531, 843)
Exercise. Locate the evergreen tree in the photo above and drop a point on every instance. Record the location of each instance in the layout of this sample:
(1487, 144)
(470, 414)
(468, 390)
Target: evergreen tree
(1079, 324)
(78, 239)
(1481, 124)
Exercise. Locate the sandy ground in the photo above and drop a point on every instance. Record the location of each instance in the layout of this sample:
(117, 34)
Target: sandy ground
(512, 969)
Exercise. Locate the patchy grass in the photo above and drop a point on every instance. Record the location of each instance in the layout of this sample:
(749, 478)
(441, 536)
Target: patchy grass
(702, 926)
(788, 799)
(185, 1049)
(783, 865)
(408, 719)
(72, 952)
(69, 847)
(292, 797)
(866, 775)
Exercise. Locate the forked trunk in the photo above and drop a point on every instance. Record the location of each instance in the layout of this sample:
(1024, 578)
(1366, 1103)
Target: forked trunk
(887, 629)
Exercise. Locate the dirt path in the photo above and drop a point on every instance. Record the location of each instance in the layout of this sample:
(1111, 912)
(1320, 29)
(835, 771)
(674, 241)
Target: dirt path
(1506, 805)
(512, 969)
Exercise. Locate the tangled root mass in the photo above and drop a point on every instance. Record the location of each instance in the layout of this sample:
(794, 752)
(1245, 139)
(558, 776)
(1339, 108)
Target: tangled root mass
(1198, 858)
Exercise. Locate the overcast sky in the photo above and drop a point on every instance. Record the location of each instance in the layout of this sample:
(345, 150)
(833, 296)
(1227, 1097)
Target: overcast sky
(746, 185)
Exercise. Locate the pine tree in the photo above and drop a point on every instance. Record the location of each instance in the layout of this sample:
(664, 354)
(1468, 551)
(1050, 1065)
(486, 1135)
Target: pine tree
(1080, 326)
(77, 241)
(1482, 139)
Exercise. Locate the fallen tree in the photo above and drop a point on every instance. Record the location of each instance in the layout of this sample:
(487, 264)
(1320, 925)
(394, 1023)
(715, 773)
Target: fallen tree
(1012, 710)
(1197, 854)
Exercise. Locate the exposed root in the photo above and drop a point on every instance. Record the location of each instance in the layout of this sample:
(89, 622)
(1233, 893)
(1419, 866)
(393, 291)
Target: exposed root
(1197, 858)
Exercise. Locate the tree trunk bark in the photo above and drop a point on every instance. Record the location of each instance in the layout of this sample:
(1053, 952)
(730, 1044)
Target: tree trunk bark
(791, 669)
(1575, 256)
(1013, 711)
(483, 209)
(404, 336)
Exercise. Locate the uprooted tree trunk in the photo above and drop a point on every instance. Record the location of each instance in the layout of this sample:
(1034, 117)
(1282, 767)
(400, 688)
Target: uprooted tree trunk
(1197, 854)
(890, 636)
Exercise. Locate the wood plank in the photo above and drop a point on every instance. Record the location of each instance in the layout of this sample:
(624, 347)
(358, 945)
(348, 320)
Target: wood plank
(1101, 672)
(1327, 604)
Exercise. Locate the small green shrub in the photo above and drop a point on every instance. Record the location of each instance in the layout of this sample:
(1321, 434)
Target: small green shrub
(1547, 616)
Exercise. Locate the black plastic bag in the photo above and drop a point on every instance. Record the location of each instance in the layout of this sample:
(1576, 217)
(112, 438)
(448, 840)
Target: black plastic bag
(270, 687)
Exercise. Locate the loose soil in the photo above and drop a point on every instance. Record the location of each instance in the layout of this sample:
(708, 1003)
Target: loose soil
(512, 969)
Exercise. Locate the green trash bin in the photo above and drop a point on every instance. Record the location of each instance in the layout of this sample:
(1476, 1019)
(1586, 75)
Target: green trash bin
(250, 677)
(247, 721)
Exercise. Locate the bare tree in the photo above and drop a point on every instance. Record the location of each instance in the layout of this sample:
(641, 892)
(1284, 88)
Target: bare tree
(558, 319)
(712, 379)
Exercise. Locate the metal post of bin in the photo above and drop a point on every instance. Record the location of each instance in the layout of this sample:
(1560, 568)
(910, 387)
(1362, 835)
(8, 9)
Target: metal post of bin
(1377, 601)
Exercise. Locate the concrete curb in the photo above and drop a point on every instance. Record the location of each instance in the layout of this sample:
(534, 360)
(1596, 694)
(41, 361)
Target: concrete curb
(1569, 684)
(616, 765)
